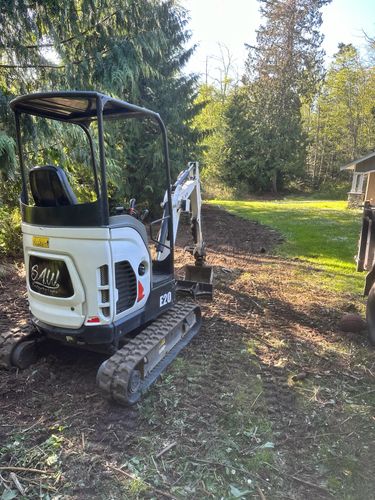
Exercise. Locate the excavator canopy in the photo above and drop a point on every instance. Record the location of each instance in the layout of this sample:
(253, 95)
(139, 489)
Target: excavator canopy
(80, 107)
(77, 106)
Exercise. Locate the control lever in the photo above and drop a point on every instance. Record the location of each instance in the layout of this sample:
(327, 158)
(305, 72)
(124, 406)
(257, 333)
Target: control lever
(144, 214)
(132, 210)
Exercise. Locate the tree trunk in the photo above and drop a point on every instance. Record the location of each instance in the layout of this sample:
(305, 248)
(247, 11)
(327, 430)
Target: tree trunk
(274, 182)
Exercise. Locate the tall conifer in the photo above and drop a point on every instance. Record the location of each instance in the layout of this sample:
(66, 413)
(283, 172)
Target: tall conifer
(284, 67)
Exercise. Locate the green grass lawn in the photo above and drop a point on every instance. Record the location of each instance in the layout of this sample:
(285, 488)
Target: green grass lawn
(324, 233)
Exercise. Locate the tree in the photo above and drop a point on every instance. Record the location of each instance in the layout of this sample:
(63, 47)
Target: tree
(243, 166)
(284, 67)
(131, 49)
(210, 122)
(340, 122)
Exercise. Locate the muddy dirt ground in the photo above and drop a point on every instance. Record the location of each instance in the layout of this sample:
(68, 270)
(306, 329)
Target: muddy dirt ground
(270, 400)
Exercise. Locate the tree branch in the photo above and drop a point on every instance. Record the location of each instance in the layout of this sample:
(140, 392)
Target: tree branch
(65, 41)
(50, 66)
(26, 66)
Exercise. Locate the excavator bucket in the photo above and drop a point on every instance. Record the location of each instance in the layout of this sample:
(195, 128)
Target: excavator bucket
(197, 281)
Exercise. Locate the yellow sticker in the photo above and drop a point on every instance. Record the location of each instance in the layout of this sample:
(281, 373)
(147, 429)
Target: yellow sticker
(161, 346)
(41, 241)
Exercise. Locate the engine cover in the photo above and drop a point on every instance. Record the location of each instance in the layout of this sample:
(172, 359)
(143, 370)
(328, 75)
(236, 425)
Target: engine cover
(85, 276)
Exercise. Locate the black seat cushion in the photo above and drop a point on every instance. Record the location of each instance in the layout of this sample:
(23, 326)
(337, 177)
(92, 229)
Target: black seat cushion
(50, 187)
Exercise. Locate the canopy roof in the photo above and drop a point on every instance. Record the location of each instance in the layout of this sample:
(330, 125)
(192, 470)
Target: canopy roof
(363, 165)
(76, 106)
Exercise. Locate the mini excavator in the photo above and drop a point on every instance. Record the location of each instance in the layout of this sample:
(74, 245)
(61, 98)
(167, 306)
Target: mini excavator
(91, 279)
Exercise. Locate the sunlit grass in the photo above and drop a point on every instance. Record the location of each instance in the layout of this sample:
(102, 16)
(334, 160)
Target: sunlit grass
(323, 233)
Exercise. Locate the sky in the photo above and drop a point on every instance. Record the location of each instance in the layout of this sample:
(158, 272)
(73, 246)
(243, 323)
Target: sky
(233, 23)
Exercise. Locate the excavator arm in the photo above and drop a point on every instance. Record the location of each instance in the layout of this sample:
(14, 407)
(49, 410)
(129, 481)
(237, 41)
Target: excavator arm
(186, 197)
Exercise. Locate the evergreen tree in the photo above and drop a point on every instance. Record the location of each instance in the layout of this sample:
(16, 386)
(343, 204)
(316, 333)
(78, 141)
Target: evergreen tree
(283, 67)
(131, 49)
(243, 166)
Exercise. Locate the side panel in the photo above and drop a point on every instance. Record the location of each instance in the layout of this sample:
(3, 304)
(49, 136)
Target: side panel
(128, 246)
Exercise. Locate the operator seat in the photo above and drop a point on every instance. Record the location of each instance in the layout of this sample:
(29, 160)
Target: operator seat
(50, 187)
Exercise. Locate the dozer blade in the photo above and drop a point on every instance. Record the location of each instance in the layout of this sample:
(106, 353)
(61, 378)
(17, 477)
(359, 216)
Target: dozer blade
(18, 347)
(197, 281)
(126, 375)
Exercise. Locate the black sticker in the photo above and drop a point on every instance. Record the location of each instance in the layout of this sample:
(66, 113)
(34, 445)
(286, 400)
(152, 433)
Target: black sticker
(50, 277)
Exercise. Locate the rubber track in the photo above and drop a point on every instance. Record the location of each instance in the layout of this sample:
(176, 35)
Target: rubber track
(113, 378)
(8, 341)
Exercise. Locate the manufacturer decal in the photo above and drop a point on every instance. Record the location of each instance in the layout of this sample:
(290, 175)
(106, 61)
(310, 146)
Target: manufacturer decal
(165, 299)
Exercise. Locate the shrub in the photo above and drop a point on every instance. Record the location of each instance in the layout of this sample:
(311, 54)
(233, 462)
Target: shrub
(10, 232)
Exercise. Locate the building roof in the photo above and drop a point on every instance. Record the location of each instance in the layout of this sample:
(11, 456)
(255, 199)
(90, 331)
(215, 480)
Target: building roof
(363, 165)
(76, 106)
